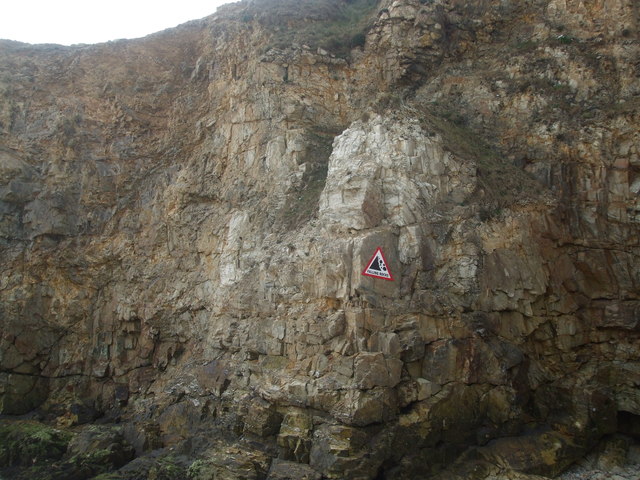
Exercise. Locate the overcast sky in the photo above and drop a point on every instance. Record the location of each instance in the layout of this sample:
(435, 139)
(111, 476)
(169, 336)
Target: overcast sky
(91, 21)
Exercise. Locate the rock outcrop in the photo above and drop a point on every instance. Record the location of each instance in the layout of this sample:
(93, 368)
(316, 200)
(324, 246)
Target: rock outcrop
(184, 220)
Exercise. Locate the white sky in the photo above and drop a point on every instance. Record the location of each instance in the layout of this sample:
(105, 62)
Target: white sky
(91, 21)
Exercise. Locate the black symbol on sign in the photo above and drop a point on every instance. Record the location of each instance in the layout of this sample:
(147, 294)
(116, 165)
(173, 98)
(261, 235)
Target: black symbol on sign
(378, 265)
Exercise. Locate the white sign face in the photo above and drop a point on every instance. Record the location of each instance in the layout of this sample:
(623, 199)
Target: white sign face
(377, 267)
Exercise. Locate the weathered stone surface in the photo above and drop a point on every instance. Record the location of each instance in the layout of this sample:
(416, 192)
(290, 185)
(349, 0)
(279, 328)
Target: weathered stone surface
(295, 436)
(358, 407)
(262, 419)
(374, 370)
(544, 453)
(281, 470)
(100, 449)
(184, 220)
(338, 451)
(21, 393)
(231, 463)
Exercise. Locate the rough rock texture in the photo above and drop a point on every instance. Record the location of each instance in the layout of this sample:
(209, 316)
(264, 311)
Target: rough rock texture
(184, 220)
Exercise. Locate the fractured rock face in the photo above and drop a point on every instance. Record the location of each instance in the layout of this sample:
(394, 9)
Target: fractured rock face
(21, 393)
(184, 223)
(389, 172)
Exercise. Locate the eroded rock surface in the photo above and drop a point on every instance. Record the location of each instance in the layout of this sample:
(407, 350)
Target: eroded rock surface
(184, 220)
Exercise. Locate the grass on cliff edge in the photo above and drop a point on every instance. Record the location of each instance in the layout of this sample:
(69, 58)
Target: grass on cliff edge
(336, 26)
(500, 183)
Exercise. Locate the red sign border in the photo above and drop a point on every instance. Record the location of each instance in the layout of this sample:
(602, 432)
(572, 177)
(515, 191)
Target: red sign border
(364, 272)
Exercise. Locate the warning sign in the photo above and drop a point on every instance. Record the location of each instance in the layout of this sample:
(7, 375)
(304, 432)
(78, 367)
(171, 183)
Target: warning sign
(377, 267)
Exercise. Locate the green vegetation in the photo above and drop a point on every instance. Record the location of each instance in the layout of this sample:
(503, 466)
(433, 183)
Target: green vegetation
(90, 464)
(27, 443)
(196, 468)
(500, 182)
(333, 25)
(526, 46)
(169, 468)
(565, 39)
(35, 451)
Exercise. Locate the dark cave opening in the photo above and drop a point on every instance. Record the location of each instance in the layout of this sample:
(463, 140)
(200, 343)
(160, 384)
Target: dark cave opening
(629, 424)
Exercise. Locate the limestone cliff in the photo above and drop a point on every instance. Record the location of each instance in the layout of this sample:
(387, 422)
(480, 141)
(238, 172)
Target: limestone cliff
(184, 220)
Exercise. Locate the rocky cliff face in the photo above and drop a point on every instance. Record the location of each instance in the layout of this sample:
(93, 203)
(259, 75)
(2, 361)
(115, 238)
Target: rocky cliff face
(185, 219)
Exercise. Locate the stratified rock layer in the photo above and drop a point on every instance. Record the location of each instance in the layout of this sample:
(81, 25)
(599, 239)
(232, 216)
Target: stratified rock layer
(184, 220)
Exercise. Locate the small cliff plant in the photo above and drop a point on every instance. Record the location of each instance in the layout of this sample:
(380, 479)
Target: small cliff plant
(336, 26)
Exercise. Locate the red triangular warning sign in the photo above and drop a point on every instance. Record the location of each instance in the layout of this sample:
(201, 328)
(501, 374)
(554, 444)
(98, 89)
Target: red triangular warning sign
(377, 267)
